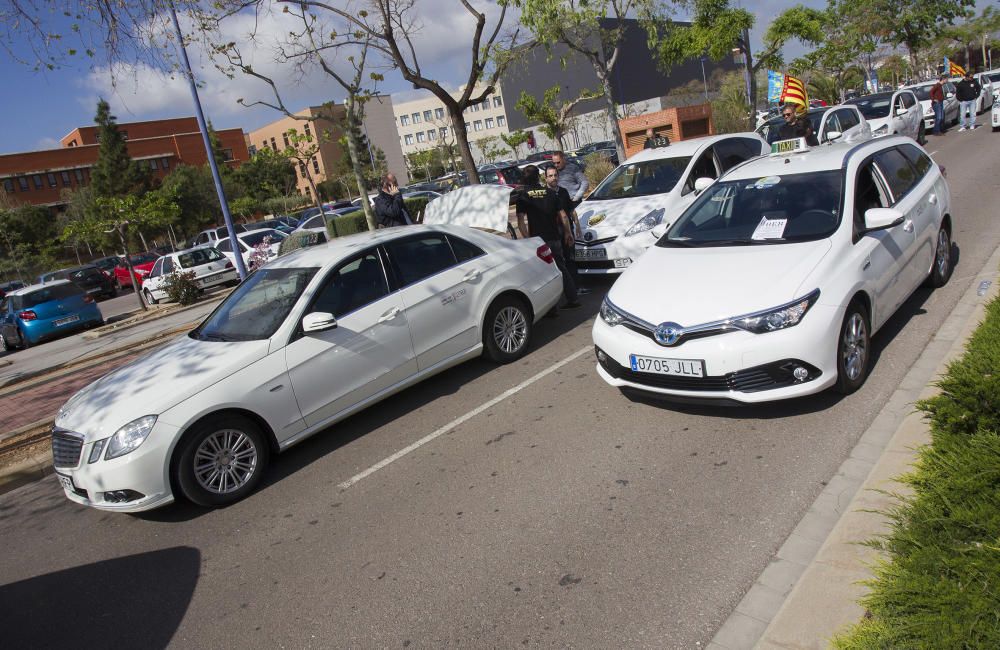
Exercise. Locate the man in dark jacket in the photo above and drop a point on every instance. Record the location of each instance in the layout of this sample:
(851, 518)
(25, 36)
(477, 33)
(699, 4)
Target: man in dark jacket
(967, 90)
(796, 126)
(389, 207)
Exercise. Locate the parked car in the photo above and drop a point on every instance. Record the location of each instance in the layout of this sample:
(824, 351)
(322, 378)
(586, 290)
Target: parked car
(421, 194)
(290, 352)
(892, 113)
(539, 156)
(844, 119)
(951, 107)
(649, 191)
(772, 283)
(317, 222)
(141, 265)
(510, 176)
(211, 236)
(276, 224)
(7, 287)
(107, 264)
(995, 117)
(249, 240)
(42, 311)
(210, 268)
(594, 146)
(986, 93)
(88, 277)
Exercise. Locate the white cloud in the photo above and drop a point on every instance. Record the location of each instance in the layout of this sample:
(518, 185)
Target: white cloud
(47, 143)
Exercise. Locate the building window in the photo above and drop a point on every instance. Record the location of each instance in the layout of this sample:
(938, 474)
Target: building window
(306, 127)
(315, 165)
(302, 169)
(408, 139)
(497, 101)
(467, 125)
(416, 118)
(475, 108)
(79, 175)
(23, 182)
(427, 116)
(443, 132)
(52, 180)
(8, 185)
(477, 125)
(284, 137)
(273, 145)
(420, 136)
(501, 121)
(124, 135)
(432, 135)
(486, 104)
(165, 163)
(489, 122)
(153, 164)
(439, 113)
(65, 179)
(38, 181)
(72, 143)
(227, 154)
(404, 120)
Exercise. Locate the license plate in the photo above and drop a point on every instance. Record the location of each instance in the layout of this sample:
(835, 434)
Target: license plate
(676, 367)
(69, 319)
(591, 254)
(66, 482)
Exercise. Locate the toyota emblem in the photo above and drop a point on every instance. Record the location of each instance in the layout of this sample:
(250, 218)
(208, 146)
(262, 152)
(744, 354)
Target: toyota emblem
(668, 333)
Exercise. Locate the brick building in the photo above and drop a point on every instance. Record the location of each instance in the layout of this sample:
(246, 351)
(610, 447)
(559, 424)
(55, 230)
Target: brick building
(39, 177)
(675, 124)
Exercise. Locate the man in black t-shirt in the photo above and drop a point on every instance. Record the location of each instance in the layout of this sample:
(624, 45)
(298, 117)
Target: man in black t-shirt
(546, 218)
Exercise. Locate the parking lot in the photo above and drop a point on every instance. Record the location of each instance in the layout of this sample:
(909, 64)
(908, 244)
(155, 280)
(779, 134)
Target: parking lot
(488, 507)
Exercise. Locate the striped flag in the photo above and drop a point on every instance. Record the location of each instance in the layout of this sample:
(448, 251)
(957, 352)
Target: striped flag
(794, 92)
(952, 68)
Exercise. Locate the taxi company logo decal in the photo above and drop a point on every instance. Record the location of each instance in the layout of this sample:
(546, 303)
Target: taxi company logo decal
(668, 333)
(596, 219)
(588, 236)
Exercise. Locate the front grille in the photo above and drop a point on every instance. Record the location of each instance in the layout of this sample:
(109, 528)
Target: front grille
(66, 448)
(595, 242)
(751, 380)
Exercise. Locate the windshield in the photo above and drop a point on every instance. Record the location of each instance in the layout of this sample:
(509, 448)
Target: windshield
(770, 210)
(923, 93)
(143, 258)
(994, 78)
(106, 263)
(642, 179)
(198, 257)
(86, 274)
(874, 106)
(257, 236)
(771, 129)
(257, 308)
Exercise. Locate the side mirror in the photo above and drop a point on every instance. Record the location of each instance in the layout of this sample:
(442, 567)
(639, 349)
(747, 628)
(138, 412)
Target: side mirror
(833, 135)
(318, 321)
(950, 95)
(702, 184)
(902, 110)
(659, 230)
(882, 218)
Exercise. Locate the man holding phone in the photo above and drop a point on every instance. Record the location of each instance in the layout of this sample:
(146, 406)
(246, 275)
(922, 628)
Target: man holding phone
(389, 207)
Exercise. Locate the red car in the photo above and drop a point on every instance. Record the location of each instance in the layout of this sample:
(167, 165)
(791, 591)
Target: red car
(141, 264)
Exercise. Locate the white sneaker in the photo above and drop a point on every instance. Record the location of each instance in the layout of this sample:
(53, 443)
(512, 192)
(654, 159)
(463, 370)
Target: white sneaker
(961, 128)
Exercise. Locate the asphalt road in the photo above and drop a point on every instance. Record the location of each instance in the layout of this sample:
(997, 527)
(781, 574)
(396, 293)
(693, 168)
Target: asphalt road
(561, 515)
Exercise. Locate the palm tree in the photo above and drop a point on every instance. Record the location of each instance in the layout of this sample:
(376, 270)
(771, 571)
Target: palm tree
(823, 86)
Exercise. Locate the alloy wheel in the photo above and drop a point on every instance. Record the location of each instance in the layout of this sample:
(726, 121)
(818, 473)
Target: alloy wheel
(3, 343)
(855, 346)
(510, 329)
(943, 260)
(225, 461)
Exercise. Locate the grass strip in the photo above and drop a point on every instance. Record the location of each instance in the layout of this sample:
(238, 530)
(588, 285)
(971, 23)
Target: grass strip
(938, 585)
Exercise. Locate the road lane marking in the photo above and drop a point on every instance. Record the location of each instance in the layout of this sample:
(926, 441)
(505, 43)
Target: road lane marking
(463, 418)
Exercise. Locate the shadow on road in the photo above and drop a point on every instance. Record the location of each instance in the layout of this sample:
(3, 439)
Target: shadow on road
(137, 601)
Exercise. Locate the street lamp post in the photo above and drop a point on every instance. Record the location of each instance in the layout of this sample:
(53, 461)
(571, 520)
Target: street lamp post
(704, 79)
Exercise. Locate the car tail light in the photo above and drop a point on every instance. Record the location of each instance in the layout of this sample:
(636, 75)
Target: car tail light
(27, 315)
(545, 254)
(229, 264)
(944, 170)
(88, 299)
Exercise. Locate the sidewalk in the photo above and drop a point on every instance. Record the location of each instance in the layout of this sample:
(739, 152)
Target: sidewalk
(810, 590)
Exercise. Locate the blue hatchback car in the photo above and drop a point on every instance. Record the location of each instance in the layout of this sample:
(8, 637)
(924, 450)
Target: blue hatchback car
(42, 311)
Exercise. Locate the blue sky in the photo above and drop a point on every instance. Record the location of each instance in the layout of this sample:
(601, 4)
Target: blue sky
(41, 107)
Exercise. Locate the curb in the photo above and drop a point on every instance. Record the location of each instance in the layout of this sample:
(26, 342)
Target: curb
(33, 467)
(810, 589)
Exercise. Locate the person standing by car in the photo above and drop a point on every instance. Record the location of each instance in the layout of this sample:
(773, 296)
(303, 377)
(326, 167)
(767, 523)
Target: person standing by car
(571, 178)
(967, 91)
(546, 218)
(937, 104)
(796, 126)
(552, 184)
(389, 207)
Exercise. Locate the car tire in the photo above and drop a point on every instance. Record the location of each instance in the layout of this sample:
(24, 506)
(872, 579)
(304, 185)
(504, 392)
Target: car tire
(213, 444)
(4, 347)
(150, 300)
(24, 341)
(507, 329)
(942, 266)
(853, 349)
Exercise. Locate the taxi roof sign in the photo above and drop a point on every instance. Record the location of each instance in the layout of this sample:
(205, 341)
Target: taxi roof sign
(789, 146)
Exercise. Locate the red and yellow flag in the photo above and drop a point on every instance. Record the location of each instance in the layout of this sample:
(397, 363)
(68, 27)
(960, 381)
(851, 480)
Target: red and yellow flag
(794, 92)
(953, 68)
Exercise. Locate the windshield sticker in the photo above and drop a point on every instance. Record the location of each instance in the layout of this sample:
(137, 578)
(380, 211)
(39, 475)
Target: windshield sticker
(769, 229)
(767, 181)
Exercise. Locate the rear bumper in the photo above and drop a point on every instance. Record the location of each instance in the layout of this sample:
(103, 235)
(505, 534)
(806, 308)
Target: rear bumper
(36, 331)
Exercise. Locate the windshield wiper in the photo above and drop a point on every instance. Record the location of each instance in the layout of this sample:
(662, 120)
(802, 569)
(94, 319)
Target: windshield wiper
(216, 337)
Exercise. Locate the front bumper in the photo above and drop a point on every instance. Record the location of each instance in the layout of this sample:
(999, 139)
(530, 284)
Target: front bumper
(144, 472)
(738, 366)
(612, 255)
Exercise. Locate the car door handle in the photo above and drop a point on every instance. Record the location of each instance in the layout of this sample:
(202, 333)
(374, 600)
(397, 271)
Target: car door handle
(472, 276)
(908, 226)
(389, 315)
(932, 199)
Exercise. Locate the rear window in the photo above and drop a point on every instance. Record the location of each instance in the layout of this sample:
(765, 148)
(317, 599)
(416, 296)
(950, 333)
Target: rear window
(143, 258)
(199, 257)
(47, 294)
(86, 274)
(257, 236)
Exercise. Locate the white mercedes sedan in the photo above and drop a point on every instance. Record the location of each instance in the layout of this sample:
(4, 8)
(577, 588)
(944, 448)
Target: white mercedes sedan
(773, 282)
(302, 343)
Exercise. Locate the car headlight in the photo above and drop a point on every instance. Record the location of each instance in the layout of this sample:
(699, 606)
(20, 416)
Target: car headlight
(610, 314)
(129, 437)
(779, 318)
(882, 130)
(648, 222)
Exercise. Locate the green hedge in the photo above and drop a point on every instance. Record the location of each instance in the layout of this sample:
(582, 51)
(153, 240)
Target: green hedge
(939, 586)
(354, 222)
(301, 239)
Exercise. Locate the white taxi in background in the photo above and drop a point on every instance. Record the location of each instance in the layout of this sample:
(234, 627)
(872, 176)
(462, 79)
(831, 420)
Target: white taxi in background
(995, 119)
(772, 283)
(302, 343)
(649, 191)
(210, 268)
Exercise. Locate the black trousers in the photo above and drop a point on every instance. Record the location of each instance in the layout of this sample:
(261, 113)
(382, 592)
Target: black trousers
(568, 274)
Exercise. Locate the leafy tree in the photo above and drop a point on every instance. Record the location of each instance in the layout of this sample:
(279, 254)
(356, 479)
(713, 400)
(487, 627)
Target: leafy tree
(192, 190)
(553, 114)
(581, 25)
(267, 175)
(916, 23)
(490, 147)
(427, 161)
(729, 108)
(371, 158)
(514, 140)
(717, 29)
(114, 173)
